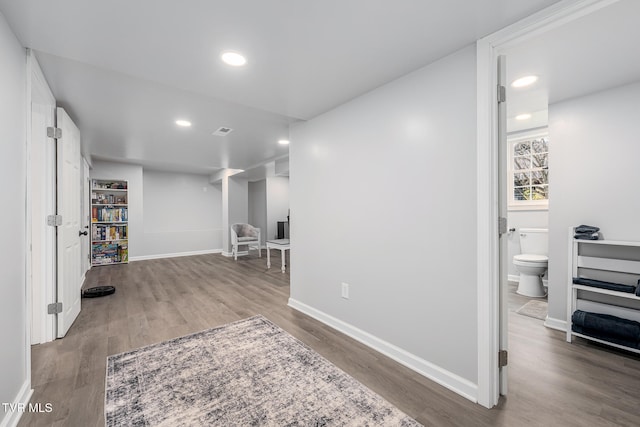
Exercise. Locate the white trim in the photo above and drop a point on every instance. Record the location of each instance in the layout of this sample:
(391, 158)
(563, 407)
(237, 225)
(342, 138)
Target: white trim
(28, 232)
(242, 253)
(516, 133)
(487, 179)
(553, 323)
(543, 21)
(524, 136)
(528, 135)
(528, 207)
(230, 254)
(23, 397)
(174, 255)
(487, 229)
(447, 379)
(43, 326)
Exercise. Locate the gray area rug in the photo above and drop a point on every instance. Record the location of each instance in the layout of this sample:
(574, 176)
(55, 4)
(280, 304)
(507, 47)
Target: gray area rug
(534, 308)
(246, 373)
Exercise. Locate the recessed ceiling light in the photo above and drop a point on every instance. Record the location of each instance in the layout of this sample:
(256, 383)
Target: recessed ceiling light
(183, 123)
(233, 58)
(523, 116)
(283, 142)
(524, 81)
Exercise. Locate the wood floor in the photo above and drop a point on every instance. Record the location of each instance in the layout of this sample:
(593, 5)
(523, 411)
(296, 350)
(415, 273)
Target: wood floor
(552, 383)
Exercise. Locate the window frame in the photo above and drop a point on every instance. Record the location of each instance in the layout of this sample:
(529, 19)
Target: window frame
(512, 140)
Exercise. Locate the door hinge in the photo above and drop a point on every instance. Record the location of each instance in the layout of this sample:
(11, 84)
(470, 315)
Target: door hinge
(54, 132)
(502, 93)
(503, 358)
(502, 225)
(54, 308)
(54, 220)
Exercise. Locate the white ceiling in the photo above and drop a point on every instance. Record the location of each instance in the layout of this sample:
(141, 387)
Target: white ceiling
(127, 69)
(596, 52)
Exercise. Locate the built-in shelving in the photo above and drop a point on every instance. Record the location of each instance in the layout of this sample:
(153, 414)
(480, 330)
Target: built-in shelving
(109, 222)
(603, 258)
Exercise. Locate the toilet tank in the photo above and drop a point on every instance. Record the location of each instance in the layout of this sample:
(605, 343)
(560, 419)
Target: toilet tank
(534, 241)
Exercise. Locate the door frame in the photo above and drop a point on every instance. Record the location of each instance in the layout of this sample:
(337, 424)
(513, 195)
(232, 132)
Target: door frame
(86, 217)
(40, 292)
(489, 181)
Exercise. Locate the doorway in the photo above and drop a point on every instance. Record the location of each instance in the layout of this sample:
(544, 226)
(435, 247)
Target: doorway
(53, 196)
(556, 28)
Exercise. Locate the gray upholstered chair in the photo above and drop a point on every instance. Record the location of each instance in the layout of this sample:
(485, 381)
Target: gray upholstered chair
(245, 235)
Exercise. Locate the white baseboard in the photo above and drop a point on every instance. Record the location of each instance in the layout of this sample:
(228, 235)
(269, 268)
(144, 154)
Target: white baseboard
(435, 373)
(174, 255)
(553, 323)
(230, 254)
(11, 418)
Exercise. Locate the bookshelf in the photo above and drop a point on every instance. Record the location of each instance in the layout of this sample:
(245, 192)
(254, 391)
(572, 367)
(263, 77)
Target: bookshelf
(109, 222)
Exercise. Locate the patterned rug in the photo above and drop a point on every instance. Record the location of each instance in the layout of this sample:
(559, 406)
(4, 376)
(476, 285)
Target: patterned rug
(246, 373)
(534, 308)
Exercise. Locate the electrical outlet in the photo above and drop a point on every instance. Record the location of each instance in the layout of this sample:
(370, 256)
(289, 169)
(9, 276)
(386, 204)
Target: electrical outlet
(345, 290)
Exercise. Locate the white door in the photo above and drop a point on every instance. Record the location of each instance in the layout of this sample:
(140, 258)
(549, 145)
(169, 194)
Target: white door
(41, 196)
(502, 206)
(69, 238)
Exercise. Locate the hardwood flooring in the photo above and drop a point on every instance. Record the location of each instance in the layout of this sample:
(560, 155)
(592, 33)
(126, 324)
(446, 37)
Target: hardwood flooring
(552, 383)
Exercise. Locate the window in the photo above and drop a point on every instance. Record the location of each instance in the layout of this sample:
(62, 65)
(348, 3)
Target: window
(528, 171)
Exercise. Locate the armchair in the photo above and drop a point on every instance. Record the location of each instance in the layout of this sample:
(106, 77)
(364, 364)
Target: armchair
(245, 235)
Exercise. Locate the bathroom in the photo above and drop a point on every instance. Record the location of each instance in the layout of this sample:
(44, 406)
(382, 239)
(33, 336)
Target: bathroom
(585, 96)
(528, 211)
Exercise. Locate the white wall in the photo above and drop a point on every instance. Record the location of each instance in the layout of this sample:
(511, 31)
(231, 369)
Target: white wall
(277, 203)
(258, 206)
(182, 213)
(235, 207)
(169, 213)
(239, 203)
(14, 377)
(383, 198)
(594, 163)
(268, 204)
(523, 219)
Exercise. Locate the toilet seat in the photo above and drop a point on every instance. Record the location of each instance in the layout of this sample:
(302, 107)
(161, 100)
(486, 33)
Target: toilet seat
(530, 259)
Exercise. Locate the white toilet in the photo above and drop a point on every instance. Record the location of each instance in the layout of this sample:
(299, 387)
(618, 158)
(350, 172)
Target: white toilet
(533, 262)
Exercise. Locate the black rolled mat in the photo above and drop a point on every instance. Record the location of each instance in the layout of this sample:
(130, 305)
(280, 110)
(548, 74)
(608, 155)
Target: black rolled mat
(98, 291)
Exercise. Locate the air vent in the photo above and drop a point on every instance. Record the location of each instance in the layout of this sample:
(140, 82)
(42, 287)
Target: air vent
(223, 131)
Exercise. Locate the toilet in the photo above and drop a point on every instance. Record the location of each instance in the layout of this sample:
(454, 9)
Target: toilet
(533, 261)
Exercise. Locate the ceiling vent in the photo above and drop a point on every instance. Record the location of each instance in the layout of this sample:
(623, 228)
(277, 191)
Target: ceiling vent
(223, 131)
